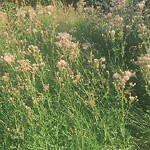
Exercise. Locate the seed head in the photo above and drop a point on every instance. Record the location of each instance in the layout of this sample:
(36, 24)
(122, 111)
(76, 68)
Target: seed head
(9, 58)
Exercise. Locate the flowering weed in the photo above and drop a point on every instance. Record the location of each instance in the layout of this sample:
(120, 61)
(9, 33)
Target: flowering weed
(70, 80)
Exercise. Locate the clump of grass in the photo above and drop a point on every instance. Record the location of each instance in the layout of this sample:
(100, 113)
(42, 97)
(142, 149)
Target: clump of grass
(66, 82)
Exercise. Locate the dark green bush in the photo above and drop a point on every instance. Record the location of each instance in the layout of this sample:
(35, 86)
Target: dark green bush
(104, 4)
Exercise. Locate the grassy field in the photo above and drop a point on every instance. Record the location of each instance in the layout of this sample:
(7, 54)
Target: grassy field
(75, 80)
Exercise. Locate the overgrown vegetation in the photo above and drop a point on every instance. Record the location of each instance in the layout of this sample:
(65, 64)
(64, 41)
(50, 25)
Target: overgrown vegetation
(75, 80)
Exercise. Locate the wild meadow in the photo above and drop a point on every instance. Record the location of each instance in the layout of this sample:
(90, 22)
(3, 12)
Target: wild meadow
(75, 79)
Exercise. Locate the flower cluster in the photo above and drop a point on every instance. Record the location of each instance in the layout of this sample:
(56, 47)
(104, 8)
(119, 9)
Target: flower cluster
(118, 4)
(141, 5)
(8, 58)
(120, 84)
(141, 28)
(144, 62)
(77, 77)
(64, 71)
(100, 62)
(5, 77)
(25, 64)
(46, 87)
(123, 77)
(33, 49)
(133, 98)
(62, 65)
(37, 99)
(35, 52)
(97, 62)
(68, 46)
(114, 24)
(32, 14)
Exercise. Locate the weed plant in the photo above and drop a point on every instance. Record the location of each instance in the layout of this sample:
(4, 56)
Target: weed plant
(75, 80)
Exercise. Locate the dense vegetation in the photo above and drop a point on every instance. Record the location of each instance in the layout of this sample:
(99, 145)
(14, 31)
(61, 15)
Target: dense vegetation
(75, 80)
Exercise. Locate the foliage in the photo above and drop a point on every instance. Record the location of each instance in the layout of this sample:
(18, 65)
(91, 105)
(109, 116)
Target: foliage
(74, 79)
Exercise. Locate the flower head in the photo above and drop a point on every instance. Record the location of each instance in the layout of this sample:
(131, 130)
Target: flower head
(62, 65)
(5, 77)
(9, 58)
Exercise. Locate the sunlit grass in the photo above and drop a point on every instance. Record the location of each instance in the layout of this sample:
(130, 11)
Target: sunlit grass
(74, 80)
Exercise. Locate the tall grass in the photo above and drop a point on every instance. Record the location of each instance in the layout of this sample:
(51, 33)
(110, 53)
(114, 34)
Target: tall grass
(74, 80)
